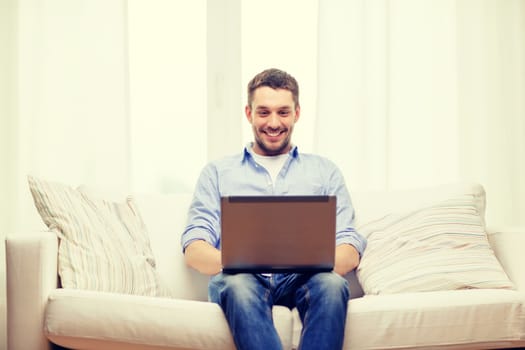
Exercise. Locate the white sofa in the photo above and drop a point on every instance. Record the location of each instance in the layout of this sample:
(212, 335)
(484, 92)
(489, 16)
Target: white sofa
(40, 313)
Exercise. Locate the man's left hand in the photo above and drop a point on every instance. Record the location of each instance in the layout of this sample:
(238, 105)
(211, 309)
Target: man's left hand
(346, 259)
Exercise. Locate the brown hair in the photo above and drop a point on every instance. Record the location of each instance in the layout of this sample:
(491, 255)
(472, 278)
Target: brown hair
(276, 79)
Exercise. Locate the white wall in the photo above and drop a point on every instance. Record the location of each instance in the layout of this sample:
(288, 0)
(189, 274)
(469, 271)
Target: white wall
(108, 94)
(224, 85)
(167, 94)
(491, 103)
(72, 111)
(415, 93)
(7, 158)
(282, 34)
(353, 90)
(423, 135)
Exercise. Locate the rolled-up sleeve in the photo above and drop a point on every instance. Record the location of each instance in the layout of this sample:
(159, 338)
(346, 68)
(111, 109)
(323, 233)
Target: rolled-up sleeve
(345, 228)
(203, 221)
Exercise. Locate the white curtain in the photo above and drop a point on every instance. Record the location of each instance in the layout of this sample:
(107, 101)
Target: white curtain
(287, 39)
(414, 93)
(71, 120)
(137, 96)
(129, 95)
(110, 94)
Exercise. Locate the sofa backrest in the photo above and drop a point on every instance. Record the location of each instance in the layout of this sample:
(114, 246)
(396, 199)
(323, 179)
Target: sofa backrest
(371, 205)
(165, 218)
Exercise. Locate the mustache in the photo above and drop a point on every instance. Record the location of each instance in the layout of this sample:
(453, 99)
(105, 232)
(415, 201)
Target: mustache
(269, 129)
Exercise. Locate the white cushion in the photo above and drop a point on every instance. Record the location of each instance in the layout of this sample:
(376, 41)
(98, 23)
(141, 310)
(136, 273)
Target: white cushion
(93, 320)
(465, 319)
(441, 246)
(103, 245)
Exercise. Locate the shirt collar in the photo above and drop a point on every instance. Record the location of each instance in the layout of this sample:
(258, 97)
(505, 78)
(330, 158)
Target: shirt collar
(248, 152)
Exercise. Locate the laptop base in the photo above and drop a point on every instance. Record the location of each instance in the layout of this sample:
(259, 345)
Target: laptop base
(273, 269)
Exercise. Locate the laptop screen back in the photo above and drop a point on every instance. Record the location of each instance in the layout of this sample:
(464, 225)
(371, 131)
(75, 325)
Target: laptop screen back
(278, 233)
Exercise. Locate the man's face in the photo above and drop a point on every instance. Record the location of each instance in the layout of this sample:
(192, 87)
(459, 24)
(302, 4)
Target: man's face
(272, 114)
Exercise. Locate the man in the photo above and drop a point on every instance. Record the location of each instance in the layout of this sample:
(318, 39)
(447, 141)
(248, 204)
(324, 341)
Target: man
(271, 165)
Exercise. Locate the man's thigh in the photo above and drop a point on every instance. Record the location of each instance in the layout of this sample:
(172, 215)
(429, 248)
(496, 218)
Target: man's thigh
(242, 286)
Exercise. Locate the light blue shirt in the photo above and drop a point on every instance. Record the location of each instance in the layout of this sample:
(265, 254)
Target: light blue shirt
(301, 174)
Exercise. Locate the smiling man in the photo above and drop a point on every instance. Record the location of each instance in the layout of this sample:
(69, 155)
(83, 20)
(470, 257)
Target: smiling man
(272, 165)
(273, 112)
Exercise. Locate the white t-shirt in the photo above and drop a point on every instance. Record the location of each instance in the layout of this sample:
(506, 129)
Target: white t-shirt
(273, 164)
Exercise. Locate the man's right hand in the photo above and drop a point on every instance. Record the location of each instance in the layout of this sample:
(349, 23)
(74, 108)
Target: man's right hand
(203, 257)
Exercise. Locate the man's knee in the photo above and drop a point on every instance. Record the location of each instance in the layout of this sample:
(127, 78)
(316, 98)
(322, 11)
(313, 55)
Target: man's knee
(241, 287)
(331, 284)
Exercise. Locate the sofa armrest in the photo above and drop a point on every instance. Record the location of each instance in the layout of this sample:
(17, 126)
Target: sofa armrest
(31, 273)
(508, 245)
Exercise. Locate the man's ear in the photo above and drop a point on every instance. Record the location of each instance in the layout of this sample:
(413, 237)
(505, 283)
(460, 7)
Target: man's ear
(297, 113)
(248, 113)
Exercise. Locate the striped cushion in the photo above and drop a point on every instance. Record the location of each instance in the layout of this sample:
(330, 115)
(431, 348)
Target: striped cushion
(103, 245)
(436, 247)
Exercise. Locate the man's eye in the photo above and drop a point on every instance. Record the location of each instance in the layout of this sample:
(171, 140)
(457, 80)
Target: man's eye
(263, 113)
(284, 113)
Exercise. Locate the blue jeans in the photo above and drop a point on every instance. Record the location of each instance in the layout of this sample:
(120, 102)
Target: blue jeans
(247, 300)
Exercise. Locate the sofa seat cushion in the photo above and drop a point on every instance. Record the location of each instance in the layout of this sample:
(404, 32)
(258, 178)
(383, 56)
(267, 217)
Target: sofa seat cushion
(97, 320)
(470, 319)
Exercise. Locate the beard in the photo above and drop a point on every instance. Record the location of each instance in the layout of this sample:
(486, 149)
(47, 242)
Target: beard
(273, 148)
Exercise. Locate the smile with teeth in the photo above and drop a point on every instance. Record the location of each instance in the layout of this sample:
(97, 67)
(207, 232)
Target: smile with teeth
(274, 133)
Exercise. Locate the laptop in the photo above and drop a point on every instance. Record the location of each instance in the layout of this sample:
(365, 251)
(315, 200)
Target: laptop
(274, 234)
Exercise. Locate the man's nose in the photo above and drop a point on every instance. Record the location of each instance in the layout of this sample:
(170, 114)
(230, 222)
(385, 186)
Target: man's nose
(274, 121)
